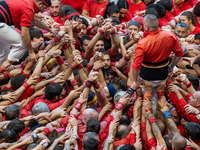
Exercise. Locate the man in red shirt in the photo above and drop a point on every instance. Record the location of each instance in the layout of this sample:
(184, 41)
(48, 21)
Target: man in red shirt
(152, 52)
(92, 8)
(20, 14)
(189, 19)
(53, 9)
(135, 6)
(180, 5)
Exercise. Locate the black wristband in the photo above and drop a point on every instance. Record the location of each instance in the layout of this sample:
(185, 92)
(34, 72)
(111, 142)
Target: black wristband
(35, 138)
(130, 91)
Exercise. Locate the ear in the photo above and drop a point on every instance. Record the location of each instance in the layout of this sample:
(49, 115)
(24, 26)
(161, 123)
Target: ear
(198, 104)
(3, 140)
(109, 98)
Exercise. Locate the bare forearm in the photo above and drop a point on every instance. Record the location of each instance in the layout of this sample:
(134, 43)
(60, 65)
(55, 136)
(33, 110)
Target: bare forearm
(36, 22)
(135, 75)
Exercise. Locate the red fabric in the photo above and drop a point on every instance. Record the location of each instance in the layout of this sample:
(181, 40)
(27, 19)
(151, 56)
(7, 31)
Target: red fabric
(168, 16)
(28, 92)
(46, 131)
(197, 23)
(27, 75)
(135, 8)
(22, 11)
(57, 19)
(127, 18)
(113, 55)
(163, 22)
(196, 30)
(152, 143)
(192, 2)
(7, 88)
(129, 139)
(76, 4)
(94, 7)
(181, 130)
(185, 6)
(179, 105)
(143, 135)
(156, 47)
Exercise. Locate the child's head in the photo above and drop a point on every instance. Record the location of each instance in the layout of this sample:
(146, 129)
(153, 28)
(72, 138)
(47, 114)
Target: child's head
(36, 35)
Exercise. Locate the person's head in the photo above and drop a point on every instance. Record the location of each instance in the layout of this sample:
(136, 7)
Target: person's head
(197, 39)
(17, 81)
(99, 46)
(125, 38)
(118, 95)
(53, 91)
(93, 125)
(54, 8)
(195, 100)
(168, 140)
(111, 10)
(160, 9)
(119, 84)
(194, 80)
(124, 120)
(6, 91)
(106, 62)
(182, 30)
(127, 147)
(114, 20)
(192, 130)
(110, 92)
(16, 125)
(133, 26)
(123, 7)
(196, 9)
(152, 11)
(90, 141)
(92, 99)
(13, 112)
(88, 114)
(8, 136)
(178, 3)
(122, 131)
(188, 18)
(43, 4)
(108, 75)
(175, 116)
(178, 142)
(36, 35)
(150, 22)
(167, 4)
(161, 126)
(84, 42)
(63, 9)
(83, 31)
(40, 107)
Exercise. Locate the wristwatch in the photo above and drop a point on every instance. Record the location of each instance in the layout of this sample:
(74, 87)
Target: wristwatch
(35, 138)
(130, 91)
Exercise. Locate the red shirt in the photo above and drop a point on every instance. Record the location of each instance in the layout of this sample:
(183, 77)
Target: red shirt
(156, 47)
(185, 6)
(94, 7)
(127, 18)
(135, 8)
(195, 31)
(163, 22)
(169, 16)
(22, 11)
(129, 139)
(76, 4)
(192, 2)
(197, 23)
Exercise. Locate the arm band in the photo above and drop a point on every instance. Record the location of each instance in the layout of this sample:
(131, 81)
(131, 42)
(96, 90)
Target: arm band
(7, 75)
(73, 65)
(119, 106)
(46, 131)
(125, 58)
(188, 85)
(79, 66)
(25, 85)
(60, 61)
(160, 94)
(152, 120)
(78, 105)
(167, 114)
(73, 82)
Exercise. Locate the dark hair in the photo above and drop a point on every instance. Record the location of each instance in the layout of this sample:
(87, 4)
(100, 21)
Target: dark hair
(35, 33)
(197, 36)
(5, 91)
(196, 9)
(12, 112)
(152, 11)
(194, 80)
(9, 135)
(115, 20)
(168, 140)
(91, 144)
(160, 9)
(190, 16)
(117, 57)
(52, 90)
(127, 147)
(167, 4)
(16, 125)
(122, 133)
(106, 53)
(124, 120)
(17, 81)
(63, 9)
(71, 12)
(107, 72)
(90, 96)
(85, 62)
(93, 125)
(192, 130)
(107, 44)
(122, 4)
(118, 83)
(47, 1)
(84, 21)
(86, 37)
(111, 9)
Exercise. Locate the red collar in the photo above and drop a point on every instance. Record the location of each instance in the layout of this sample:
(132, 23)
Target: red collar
(150, 32)
(35, 7)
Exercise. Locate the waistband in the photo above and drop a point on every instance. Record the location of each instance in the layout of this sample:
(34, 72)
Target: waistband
(160, 64)
(5, 14)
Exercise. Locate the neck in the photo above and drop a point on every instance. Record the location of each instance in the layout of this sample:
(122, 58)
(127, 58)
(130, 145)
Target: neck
(178, 5)
(191, 27)
(135, 1)
(198, 19)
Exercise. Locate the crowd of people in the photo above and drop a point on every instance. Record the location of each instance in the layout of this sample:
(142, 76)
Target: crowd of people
(100, 75)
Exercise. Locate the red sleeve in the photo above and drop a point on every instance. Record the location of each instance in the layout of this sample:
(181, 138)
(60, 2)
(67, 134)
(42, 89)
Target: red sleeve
(53, 106)
(177, 48)
(132, 139)
(179, 105)
(24, 113)
(130, 112)
(29, 106)
(139, 57)
(87, 5)
(28, 92)
(143, 135)
(113, 63)
(27, 75)
(26, 18)
(152, 143)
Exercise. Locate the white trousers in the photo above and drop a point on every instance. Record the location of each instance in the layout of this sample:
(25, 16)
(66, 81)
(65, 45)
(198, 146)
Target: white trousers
(10, 38)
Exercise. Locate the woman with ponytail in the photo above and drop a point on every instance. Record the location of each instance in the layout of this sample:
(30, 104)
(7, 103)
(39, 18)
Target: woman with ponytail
(125, 15)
